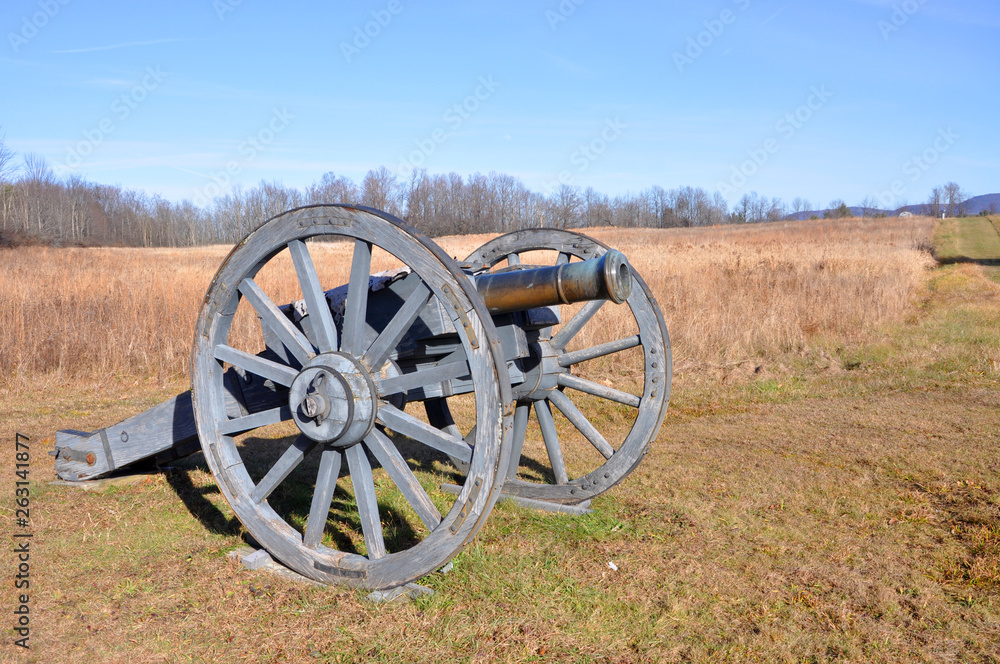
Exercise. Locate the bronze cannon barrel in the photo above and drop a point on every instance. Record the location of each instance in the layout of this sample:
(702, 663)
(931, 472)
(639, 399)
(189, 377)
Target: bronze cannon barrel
(608, 277)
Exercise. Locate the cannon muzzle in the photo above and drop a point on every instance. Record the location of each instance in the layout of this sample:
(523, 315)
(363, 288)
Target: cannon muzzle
(608, 277)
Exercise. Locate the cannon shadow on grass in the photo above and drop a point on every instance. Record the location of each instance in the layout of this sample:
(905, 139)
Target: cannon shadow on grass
(986, 262)
(292, 498)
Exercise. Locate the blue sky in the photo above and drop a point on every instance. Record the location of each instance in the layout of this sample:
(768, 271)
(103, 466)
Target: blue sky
(823, 100)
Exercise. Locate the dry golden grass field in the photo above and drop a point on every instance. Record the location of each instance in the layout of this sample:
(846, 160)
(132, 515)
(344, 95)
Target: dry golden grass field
(729, 295)
(825, 488)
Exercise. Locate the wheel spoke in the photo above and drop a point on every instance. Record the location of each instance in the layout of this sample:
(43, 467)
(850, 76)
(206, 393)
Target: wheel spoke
(513, 259)
(403, 477)
(519, 432)
(246, 423)
(411, 427)
(288, 462)
(387, 340)
(422, 378)
(277, 322)
(576, 323)
(356, 307)
(278, 373)
(316, 304)
(364, 494)
(580, 421)
(598, 390)
(551, 438)
(609, 348)
(563, 258)
(319, 511)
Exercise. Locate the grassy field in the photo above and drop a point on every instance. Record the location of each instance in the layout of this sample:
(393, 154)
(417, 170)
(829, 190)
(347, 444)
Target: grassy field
(825, 487)
(974, 240)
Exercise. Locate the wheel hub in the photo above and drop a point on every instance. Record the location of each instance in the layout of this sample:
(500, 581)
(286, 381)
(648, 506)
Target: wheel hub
(541, 372)
(333, 400)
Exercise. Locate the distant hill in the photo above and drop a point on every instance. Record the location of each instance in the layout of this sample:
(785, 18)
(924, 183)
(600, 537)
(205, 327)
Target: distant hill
(808, 214)
(988, 202)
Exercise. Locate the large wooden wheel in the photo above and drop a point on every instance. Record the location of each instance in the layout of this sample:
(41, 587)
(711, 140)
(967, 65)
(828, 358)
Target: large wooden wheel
(337, 410)
(631, 378)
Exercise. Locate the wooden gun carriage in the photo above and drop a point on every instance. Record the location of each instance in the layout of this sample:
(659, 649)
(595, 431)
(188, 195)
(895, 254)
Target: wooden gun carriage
(433, 361)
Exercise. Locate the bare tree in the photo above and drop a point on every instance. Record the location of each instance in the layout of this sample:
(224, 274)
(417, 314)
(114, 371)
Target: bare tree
(596, 208)
(743, 212)
(838, 210)
(7, 167)
(506, 190)
(418, 198)
(481, 203)
(775, 210)
(37, 169)
(956, 200)
(753, 208)
(333, 189)
(935, 202)
(693, 206)
(380, 190)
(869, 207)
(565, 206)
(797, 207)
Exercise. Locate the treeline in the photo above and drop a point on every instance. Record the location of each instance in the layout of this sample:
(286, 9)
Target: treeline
(74, 211)
(36, 203)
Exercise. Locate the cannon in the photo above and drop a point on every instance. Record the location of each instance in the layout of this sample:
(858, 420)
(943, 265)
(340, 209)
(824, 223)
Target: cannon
(324, 420)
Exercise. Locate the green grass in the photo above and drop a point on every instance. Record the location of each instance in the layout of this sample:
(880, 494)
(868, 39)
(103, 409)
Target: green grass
(971, 239)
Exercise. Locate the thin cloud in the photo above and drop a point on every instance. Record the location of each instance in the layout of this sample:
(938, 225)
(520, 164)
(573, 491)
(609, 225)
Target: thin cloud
(568, 65)
(91, 49)
(775, 14)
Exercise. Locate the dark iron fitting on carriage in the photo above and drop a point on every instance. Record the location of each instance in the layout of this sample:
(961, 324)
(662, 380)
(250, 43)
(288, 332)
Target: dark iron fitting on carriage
(608, 277)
